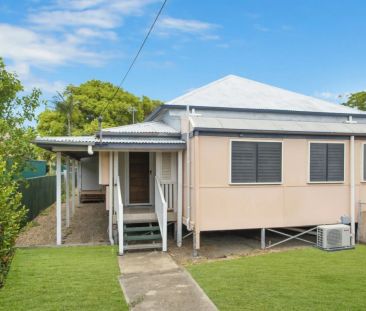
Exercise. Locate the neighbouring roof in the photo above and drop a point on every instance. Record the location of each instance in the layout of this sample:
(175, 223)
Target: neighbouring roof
(158, 128)
(276, 126)
(240, 93)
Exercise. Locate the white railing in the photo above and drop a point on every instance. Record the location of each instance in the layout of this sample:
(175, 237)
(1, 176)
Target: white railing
(119, 211)
(169, 192)
(161, 210)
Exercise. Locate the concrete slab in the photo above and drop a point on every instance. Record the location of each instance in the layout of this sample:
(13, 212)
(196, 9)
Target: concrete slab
(153, 281)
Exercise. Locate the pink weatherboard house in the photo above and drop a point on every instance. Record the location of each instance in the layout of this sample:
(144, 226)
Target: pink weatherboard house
(234, 154)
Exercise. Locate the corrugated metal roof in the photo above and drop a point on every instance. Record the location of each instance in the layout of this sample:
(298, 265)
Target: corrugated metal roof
(91, 140)
(237, 92)
(142, 128)
(277, 126)
(145, 140)
(80, 140)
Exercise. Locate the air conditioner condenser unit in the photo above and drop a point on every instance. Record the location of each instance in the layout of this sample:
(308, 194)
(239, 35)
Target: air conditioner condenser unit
(334, 237)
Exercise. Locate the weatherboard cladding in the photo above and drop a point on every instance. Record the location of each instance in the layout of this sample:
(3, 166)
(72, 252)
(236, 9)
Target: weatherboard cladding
(233, 92)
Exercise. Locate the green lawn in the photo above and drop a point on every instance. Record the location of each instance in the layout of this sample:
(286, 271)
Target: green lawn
(304, 279)
(67, 278)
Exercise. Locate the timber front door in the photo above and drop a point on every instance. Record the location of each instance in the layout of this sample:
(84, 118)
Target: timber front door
(139, 177)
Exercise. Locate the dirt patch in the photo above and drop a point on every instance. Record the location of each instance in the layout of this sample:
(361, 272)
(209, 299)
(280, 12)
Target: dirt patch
(40, 231)
(88, 226)
(220, 245)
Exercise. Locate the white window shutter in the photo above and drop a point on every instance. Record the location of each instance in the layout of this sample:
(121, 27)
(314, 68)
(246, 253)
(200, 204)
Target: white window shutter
(166, 167)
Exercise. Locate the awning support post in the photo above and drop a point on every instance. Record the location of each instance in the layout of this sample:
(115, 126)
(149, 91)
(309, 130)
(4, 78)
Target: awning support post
(180, 199)
(110, 199)
(73, 164)
(67, 190)
(58, 199)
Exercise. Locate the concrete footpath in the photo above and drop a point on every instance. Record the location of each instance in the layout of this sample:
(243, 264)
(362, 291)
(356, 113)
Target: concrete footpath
(153, 281)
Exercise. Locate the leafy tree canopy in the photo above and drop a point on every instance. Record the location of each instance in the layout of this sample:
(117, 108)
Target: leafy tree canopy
(15, 111)
(357, 100)
(15, 149)
(79, 107)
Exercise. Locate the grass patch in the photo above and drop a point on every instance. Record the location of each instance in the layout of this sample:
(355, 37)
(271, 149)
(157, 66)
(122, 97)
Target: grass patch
(67, 278)
(304, 279)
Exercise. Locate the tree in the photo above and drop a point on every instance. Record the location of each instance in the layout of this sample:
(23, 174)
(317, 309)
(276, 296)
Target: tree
(79, 107)
(15, 149)
(357, 100)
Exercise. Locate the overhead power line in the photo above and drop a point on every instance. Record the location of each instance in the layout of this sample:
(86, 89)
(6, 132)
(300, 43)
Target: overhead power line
(136, 56)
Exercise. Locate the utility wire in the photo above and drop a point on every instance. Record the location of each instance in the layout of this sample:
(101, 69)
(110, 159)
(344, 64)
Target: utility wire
(136, 56)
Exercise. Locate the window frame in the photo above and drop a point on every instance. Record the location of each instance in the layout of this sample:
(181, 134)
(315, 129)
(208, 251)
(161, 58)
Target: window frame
(255, 141)
(309, 161)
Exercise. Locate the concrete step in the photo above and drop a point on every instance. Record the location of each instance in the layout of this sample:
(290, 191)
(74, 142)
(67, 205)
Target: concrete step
(142, 237)
(141, 229)
(142, 246)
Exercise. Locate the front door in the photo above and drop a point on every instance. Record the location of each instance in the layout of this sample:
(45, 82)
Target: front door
(139, 177)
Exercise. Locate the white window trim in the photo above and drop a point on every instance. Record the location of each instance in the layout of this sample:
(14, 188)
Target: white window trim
(256, 183)
(344, 161)
(362, 161)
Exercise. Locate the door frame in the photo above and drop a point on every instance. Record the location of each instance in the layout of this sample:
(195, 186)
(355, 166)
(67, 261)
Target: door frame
(127, 179)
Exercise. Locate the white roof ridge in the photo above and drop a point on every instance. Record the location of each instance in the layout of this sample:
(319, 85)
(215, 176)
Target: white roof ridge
(195, 90)
(233, 91)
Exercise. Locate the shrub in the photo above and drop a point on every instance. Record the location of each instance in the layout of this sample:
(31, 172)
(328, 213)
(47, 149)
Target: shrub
(12, 216)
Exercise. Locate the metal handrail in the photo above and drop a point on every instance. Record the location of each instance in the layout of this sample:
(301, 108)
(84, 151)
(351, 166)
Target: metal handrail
(161, 210)
(119, 216)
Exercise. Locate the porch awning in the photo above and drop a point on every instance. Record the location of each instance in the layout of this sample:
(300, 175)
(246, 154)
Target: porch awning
(77, 146)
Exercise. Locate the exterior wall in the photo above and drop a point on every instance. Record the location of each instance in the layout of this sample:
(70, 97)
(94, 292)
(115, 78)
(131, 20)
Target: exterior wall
(89, 173)
(220, 206)
(104, 168)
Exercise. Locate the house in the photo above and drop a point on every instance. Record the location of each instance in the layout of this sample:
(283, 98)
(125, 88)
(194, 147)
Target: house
(234, 154)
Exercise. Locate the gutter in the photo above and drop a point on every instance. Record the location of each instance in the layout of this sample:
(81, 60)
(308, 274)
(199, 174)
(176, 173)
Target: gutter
(223, 131)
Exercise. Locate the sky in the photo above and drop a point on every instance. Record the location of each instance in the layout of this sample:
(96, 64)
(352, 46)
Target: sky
(313, 47)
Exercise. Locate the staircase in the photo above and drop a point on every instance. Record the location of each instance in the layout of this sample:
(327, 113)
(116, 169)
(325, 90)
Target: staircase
(139, 236)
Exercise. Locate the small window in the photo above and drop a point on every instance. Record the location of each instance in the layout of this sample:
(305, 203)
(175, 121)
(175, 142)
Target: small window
(326, 162)
(256, 162)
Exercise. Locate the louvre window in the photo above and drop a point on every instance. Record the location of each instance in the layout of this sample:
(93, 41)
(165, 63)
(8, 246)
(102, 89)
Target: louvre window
(256, 162)
(326, 162)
